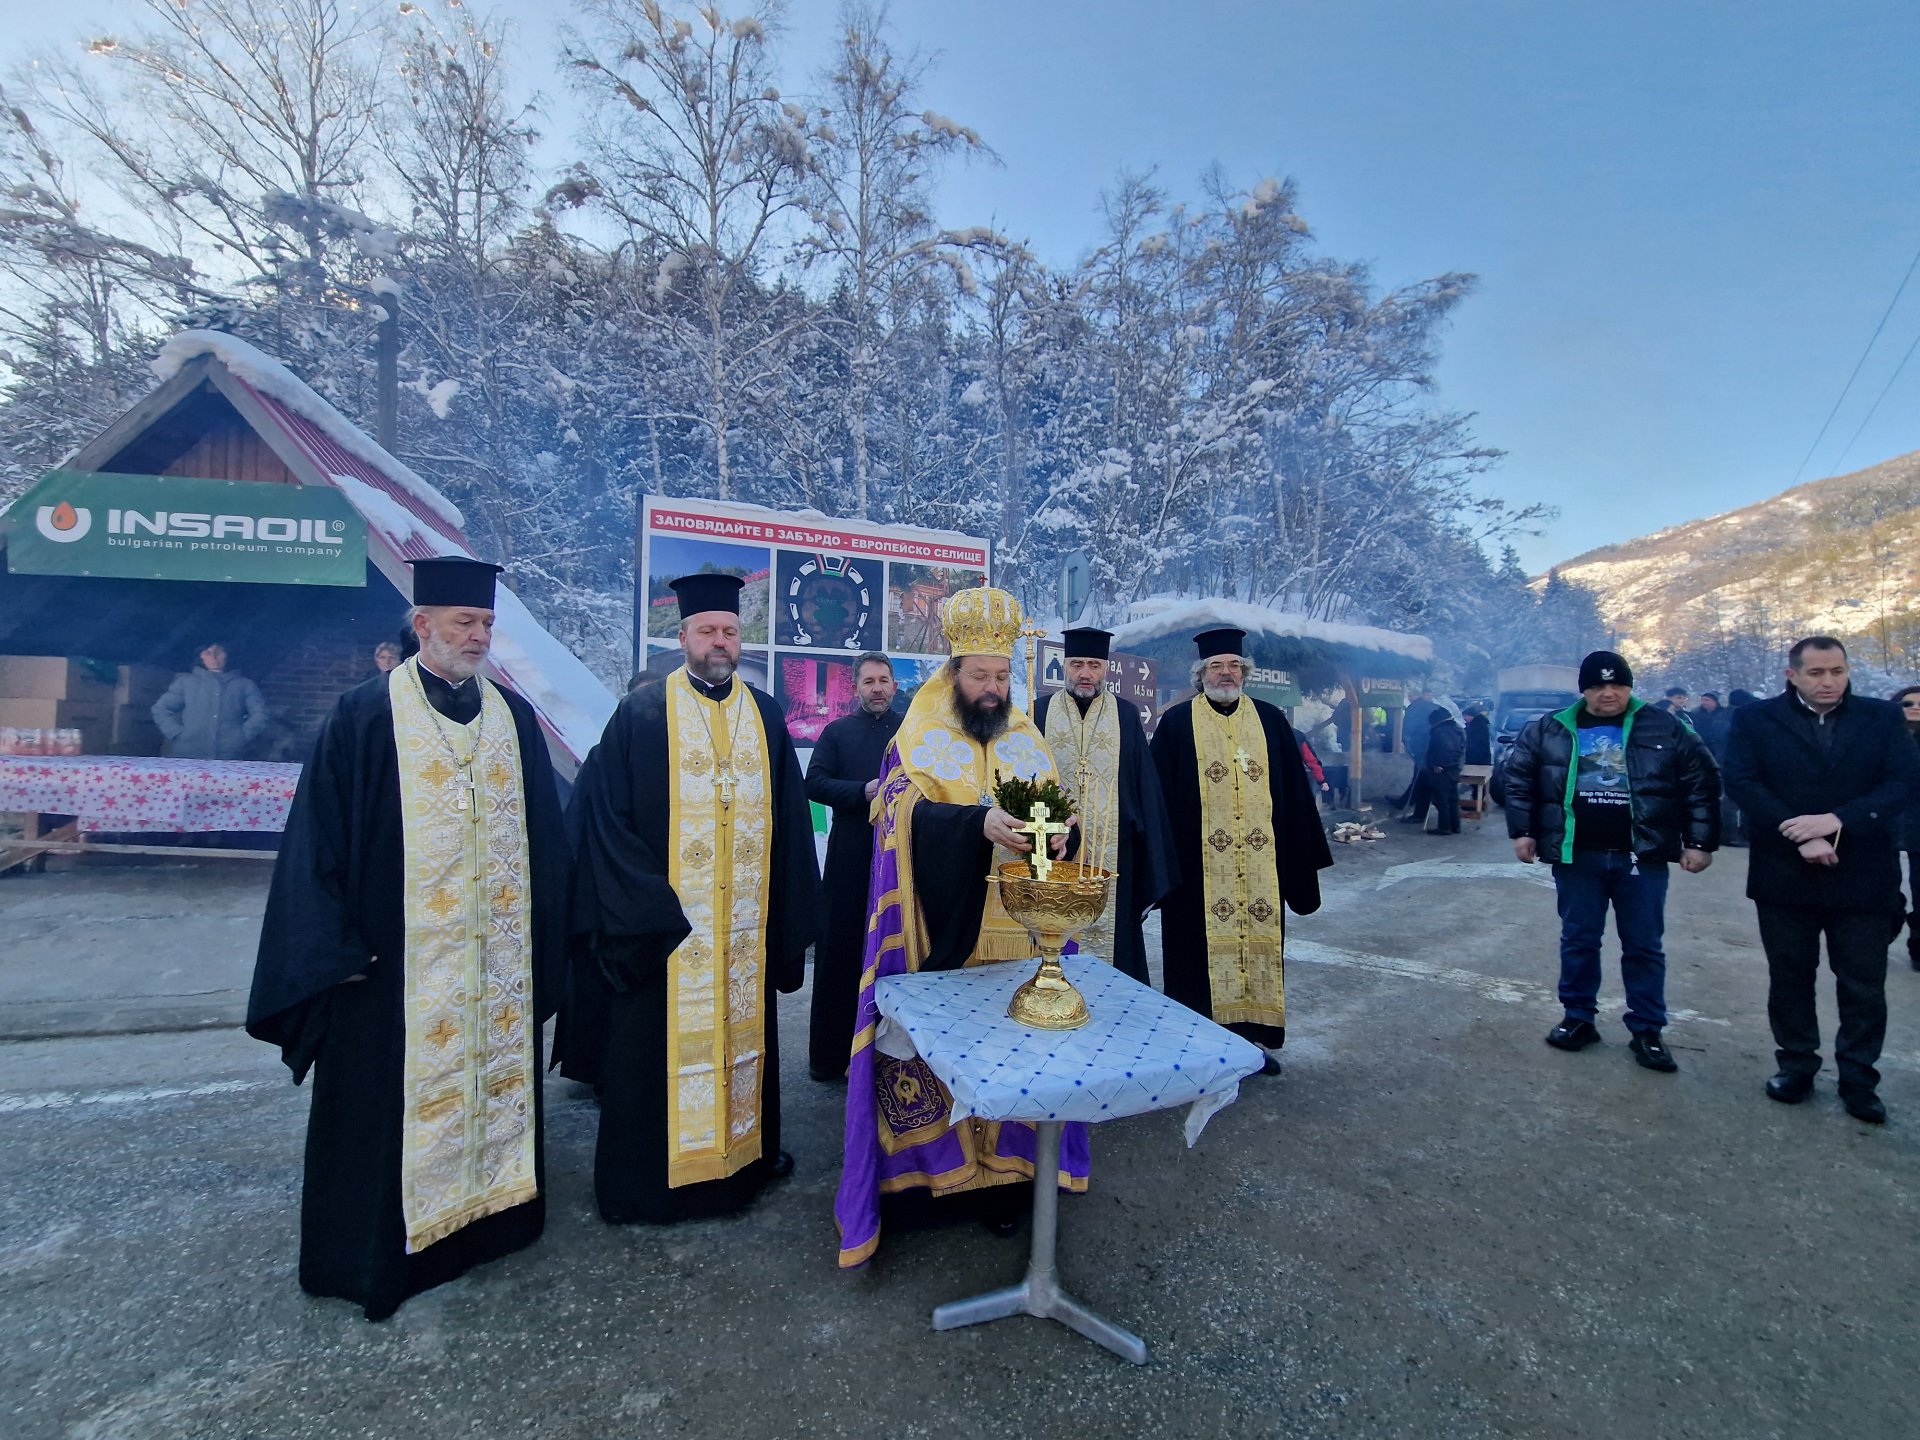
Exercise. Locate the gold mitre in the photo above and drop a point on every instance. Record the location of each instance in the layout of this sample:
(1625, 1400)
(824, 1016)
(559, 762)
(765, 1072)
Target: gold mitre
(981, 621)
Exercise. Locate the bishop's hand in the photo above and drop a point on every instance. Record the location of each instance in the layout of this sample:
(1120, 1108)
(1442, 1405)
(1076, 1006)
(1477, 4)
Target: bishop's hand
(1058, 843)
(1003, 829)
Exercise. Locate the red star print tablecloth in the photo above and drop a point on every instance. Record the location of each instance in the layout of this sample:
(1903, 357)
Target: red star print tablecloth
(144, 794)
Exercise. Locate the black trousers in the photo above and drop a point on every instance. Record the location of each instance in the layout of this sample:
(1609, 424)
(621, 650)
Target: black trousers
(1912, 906)
(1857, 954)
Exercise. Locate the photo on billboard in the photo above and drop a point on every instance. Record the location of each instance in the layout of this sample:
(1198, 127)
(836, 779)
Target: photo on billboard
(825, 601)
(671, 556)
(915, 594)
(813, 691)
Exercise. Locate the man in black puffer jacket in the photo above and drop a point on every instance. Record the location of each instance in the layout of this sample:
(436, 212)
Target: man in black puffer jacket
(1609, 791)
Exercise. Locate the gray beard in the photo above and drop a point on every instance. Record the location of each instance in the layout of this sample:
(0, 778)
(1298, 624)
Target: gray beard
(1221, 695)
(446, 661)
(716, 667)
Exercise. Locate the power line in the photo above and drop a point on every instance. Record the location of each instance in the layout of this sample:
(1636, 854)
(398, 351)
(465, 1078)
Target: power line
(1885, 390)
(1844, 389)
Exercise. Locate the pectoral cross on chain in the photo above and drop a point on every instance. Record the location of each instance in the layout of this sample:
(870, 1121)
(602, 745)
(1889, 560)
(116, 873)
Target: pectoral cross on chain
(468, 802)
(723, 779)
(1041, 828)
(1243, 760)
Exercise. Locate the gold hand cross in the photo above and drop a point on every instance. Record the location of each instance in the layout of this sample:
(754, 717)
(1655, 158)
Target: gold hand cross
(1040, 828)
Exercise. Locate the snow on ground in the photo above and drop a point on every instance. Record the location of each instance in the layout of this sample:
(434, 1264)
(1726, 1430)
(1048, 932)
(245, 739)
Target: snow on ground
(1166, 616)
(270, 377)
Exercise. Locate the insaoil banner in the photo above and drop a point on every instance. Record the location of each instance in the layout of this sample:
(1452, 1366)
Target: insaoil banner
(165, 527)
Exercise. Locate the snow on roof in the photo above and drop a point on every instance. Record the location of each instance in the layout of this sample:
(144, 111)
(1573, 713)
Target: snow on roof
(1154, 619)
(275, 382)
(548, 676)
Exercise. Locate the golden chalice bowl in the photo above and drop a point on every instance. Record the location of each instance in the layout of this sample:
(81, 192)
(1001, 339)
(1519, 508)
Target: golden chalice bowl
(1054, 910)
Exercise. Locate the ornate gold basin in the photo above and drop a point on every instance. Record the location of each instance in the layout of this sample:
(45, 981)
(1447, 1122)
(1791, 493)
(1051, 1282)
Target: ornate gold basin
(1054, 910)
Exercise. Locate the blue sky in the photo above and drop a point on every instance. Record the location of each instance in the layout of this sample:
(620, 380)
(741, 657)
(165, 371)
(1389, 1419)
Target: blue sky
(1687, 216)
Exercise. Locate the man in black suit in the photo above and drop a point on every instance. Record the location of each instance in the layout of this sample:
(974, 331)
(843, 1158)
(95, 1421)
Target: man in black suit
(1823, 775)
(843, 775)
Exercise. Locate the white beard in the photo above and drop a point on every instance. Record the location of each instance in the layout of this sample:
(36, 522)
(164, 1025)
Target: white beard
(446, 661)
(1221, 694)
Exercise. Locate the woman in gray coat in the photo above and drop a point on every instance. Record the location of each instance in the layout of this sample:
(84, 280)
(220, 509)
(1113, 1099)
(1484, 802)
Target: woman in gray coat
(213, 713)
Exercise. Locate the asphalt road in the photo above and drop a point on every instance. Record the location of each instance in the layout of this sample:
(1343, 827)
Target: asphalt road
(1431, 1225)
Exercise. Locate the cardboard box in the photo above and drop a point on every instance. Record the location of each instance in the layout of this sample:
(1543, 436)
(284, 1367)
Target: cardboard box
(134, 732)
(142, 685)
(55, 677)
(57, 714)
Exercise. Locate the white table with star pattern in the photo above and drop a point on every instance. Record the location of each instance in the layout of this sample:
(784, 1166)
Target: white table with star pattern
(1138, 1052)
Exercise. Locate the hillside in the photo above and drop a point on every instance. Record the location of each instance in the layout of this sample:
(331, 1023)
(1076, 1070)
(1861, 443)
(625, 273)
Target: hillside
(1833, 555)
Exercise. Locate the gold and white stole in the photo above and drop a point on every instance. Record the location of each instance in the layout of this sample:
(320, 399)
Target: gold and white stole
(1086, 751)
(467, 1137)
(1240, 870)
(721, 841)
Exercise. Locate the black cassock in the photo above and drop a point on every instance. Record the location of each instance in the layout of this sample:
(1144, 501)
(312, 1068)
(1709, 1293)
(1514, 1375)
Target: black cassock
(336, 909)
(627, 922)
(1300, 843)
(845, 758)
(1147, 867)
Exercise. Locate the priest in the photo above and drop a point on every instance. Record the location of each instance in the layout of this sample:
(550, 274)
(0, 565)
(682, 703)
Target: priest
(843, 774)
(696, 895)
(1100, 748)
(411, 950)
(1248, 843)
(937, 834)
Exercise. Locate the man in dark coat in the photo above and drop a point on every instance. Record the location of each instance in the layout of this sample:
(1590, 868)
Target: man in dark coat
(411, 949)
(1446, 745)
(1824, 776)
(1479, 737)
(844, 775)
(1100, 749)
(696, 895)
(1414, 735)
(1609, 791)
(1248, 843)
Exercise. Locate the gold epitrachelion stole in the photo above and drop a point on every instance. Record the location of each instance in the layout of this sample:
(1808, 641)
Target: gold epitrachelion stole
(467, 1139)
(1086, 751)
(1239, 864)
(720, 837)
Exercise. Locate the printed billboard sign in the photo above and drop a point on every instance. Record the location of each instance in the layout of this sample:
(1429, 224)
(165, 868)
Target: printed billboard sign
(167, 527)
(818, 594)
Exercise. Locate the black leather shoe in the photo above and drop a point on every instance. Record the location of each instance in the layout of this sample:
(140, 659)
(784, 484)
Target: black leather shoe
(1269, 1066)
(826, 1077)
(1571, 1034)
(1864, 1105)
(1413, 819)
(1789, 1088)
(1004, 1228)
(1648, 1050)
(782, 1166)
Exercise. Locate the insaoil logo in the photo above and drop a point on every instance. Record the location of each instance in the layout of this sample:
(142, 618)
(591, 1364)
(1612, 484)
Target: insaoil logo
(63, 522)
(204, 525)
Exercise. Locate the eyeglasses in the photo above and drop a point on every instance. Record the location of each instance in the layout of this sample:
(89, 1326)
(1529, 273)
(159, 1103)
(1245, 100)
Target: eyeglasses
(1910, 704)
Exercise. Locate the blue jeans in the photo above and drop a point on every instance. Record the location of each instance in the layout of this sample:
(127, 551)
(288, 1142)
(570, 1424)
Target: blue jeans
(1638, 893)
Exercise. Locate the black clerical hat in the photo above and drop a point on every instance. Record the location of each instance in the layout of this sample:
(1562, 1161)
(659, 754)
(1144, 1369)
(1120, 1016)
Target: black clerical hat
(454, 580)
(700, 593)
(1220, 642)
(1087, 644)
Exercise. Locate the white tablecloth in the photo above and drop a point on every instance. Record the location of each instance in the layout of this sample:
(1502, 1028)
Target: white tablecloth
(1140, 1051)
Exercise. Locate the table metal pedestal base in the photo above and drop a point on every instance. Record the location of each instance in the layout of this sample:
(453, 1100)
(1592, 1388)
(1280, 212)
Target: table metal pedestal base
(1040, 1293)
